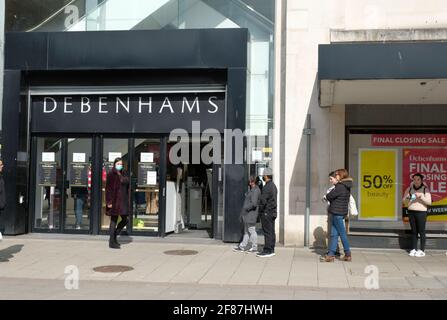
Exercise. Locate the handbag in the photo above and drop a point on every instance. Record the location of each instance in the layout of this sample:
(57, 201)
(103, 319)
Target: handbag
(352, 207)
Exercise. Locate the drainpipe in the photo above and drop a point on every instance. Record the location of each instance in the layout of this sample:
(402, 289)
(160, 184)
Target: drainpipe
(308, 131)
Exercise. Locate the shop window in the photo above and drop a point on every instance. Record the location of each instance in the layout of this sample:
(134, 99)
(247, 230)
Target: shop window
(382, 165)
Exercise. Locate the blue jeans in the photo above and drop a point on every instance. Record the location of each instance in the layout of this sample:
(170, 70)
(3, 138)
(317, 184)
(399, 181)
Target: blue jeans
(79, 205)
(338, 230)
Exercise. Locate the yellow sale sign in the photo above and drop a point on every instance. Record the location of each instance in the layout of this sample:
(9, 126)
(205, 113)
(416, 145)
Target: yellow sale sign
(377, 184)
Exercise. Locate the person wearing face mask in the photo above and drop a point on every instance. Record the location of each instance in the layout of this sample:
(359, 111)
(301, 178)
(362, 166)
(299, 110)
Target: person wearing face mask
(117, 200)
(417, 198)
(249, 215)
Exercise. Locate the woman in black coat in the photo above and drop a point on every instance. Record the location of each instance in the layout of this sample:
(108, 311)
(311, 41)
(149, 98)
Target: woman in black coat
(338, 209)
(117, 200)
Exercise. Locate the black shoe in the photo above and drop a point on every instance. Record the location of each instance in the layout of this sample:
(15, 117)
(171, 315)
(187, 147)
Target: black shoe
(265, 254)
(114, 245)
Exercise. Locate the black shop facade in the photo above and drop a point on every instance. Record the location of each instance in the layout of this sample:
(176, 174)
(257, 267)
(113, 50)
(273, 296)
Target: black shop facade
(74, 102)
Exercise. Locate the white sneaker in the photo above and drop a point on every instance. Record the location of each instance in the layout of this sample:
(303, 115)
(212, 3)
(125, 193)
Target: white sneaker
(1, 237)
(420, 253)
(252, 250)
(412, 253)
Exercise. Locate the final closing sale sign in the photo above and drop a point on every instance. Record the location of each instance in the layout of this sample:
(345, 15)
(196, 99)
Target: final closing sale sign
(432, 164)
(377, 184)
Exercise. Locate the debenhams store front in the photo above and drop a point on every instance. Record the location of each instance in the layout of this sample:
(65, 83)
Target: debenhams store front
(75, 101)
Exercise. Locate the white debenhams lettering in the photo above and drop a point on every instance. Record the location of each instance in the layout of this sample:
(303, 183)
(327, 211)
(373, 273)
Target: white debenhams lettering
(66, 104)
(85, 104)
(125, 106)
(216, 108)
(45, 110)
(166, 104)
(141, 104)
(102, 104)
(190, 108)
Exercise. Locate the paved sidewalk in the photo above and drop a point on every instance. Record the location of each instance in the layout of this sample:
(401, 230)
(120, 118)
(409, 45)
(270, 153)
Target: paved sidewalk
(33, 267)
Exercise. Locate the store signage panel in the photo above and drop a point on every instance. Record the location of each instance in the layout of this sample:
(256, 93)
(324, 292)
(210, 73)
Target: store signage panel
(432, 164)
(78, 157)
(114, 155)
(145, 113)
(47, 173)
(147, 174)
(409, 140)
(378, 184)
(147, 157)
(48, 156)
(79, 174)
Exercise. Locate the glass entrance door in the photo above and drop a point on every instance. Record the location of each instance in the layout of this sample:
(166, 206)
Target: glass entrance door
(49, 184)
(147, 199)
(78, 184)
(70, 183)
(112, 149)
(62, 200)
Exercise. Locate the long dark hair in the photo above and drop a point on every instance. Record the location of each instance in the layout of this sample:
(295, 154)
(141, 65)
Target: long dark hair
(123, 172)
(117, 160)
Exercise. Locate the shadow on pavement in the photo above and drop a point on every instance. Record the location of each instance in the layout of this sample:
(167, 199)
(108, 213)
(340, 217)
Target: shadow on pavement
(124, 239)
(9, 253)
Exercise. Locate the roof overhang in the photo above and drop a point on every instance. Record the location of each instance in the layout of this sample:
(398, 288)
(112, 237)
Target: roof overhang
(383, 73)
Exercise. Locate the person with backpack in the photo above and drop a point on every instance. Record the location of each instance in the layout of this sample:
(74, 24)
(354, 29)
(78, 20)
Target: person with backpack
(417, 198)
(338, 209)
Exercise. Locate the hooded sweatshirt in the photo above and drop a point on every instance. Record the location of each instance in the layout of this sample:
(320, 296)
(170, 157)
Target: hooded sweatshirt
(339, 197)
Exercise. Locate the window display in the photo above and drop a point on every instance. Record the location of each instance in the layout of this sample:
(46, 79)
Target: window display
(382, 166)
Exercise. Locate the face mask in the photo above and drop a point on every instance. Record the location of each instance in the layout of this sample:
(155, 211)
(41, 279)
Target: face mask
(119, 167)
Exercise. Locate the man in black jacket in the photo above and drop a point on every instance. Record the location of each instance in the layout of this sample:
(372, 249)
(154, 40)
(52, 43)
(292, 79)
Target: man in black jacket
(268, 213)
(2, 196)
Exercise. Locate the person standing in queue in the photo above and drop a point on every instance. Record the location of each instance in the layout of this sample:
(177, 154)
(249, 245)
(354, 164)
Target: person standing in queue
(338, 209)
(268, 212)
(117, 200)
(417, 198)
(249, 216)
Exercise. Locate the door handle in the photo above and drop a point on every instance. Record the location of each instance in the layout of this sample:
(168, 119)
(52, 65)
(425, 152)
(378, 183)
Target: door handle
(21, 198)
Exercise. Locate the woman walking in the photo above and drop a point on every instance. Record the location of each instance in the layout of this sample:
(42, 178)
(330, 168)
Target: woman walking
(117, 200)
(417, 198)
(338, 210)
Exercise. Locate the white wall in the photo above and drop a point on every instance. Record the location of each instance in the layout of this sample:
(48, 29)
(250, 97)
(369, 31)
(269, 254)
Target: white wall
(308, 24)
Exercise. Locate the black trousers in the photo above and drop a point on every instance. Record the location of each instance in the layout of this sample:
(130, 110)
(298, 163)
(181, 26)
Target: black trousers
(2, 227)
(268, 227)
(114, 228)
(417, 223)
